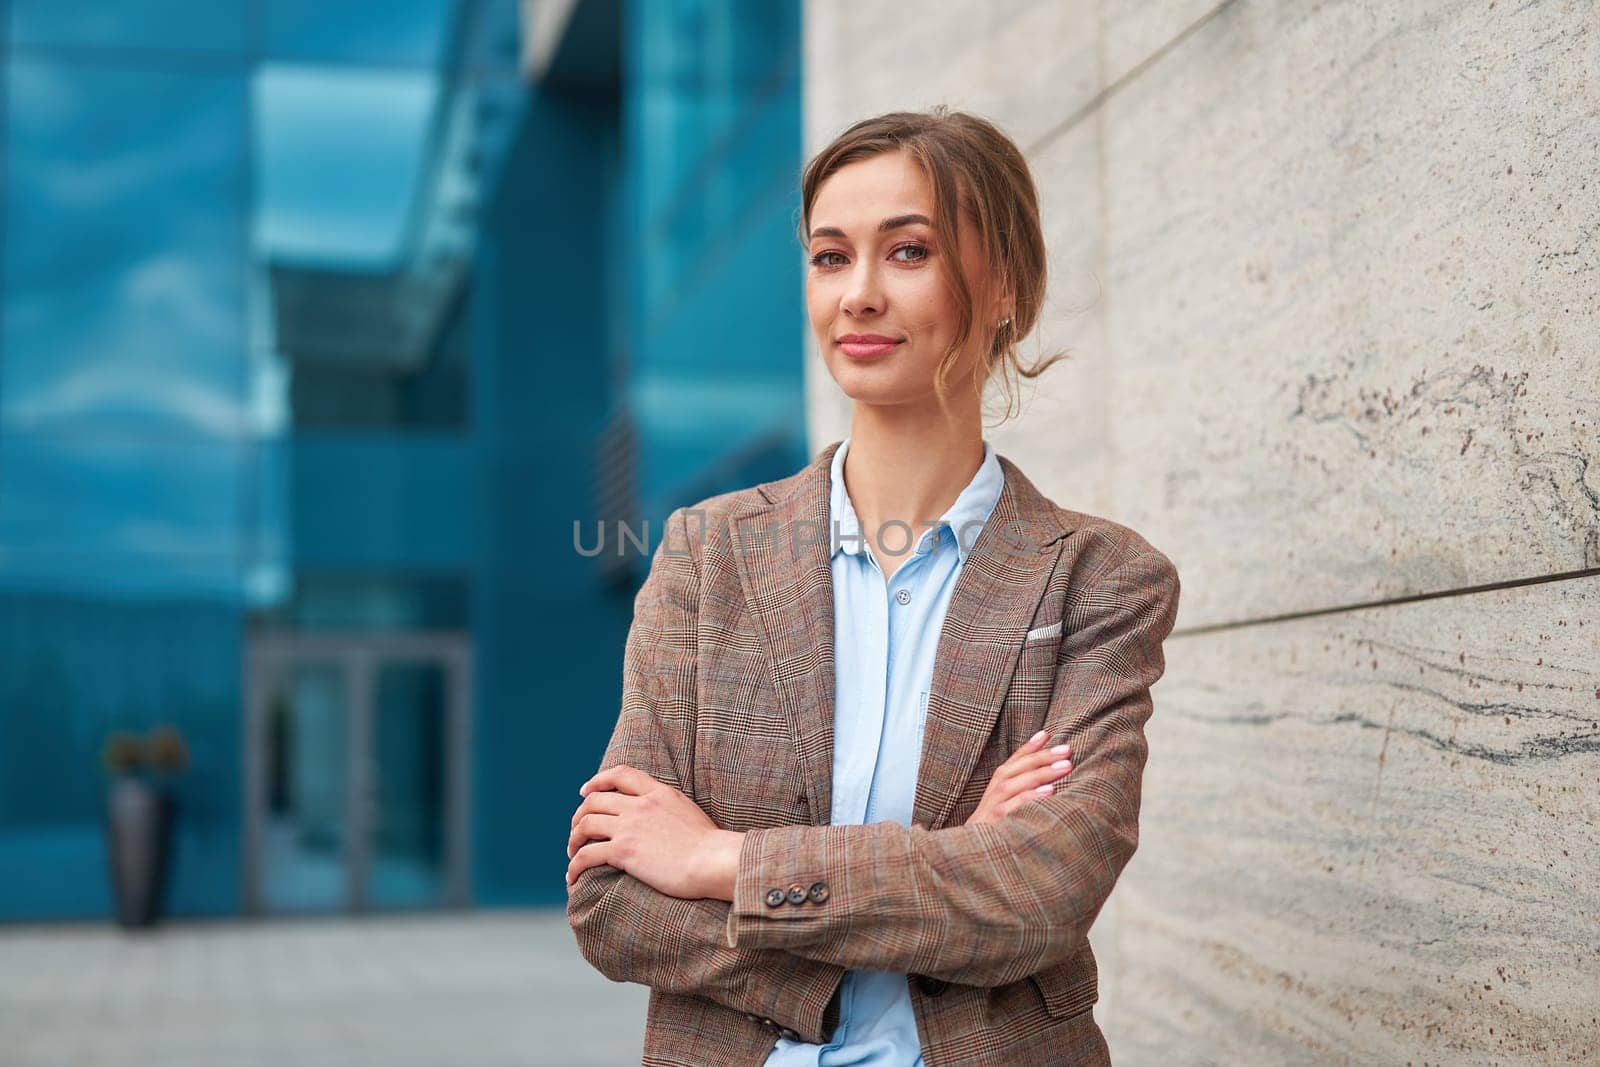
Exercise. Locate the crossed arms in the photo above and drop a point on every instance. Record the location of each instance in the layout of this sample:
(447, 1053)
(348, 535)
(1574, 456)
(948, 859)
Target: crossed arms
(981, 904)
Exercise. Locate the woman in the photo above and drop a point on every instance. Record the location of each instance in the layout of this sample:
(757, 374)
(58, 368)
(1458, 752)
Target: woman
(833, 824)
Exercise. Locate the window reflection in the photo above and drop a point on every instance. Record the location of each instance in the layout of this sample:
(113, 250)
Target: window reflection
(395, 32)
(171, 26)
(124, 226)
(121, 514)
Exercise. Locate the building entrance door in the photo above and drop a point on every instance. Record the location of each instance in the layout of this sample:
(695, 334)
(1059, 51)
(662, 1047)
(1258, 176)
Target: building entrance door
(356, 772)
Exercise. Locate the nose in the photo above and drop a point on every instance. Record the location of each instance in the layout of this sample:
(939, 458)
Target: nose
(863, 296)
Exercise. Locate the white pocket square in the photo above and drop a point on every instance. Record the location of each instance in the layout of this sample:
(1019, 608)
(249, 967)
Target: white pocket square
(1044, 631)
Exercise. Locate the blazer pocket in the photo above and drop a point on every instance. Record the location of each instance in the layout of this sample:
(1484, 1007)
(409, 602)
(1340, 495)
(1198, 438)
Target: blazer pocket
(1043, 632)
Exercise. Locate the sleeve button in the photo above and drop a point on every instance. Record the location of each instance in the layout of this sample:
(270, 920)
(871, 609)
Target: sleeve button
(818, 892)
(797, 894)
(774, 897)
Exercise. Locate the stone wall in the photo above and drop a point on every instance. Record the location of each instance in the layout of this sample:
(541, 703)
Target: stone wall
(1328, 277)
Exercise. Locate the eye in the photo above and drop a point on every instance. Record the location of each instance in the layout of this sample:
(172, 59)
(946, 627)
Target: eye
(818, 259)
(921, 249)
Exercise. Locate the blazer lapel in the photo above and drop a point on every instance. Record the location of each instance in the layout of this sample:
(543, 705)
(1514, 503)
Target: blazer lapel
(785, 569)
(782, 556)
(991, 610)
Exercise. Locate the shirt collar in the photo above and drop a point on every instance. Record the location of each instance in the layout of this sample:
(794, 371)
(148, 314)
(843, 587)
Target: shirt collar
(964, 518)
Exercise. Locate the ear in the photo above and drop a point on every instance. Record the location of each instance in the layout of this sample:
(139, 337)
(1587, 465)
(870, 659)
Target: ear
(1004, 306)
(1004, 303)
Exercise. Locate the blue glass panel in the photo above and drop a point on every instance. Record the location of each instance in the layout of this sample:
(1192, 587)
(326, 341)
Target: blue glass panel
(124, 251)
(380, 500)
(371, 602)
(399, 32)
(410, 754)
(265, 544)
(116, 514)
(340, 152)
(305, 828)
(205, 25)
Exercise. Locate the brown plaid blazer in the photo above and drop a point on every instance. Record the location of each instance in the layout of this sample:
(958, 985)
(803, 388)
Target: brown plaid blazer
(727, 694)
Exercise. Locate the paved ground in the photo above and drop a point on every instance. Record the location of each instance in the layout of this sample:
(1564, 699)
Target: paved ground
(506, 989)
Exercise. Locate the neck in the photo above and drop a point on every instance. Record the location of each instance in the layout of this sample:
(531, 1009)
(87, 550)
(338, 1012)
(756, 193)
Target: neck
(907, 467)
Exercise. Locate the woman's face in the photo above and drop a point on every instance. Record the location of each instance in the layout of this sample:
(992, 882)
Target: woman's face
(876, 289)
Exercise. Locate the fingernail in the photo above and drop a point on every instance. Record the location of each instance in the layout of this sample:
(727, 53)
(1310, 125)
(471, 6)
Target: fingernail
(1042, 788)
(1062, 749)
(1060, 764)
(1040, 736)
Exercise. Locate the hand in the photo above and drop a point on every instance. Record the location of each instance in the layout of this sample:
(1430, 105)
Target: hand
(653, 832)
(1030, 773)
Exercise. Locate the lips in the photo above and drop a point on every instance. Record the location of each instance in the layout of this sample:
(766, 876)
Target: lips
(866, 345)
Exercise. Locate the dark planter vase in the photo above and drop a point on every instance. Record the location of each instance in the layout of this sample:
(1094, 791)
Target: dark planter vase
(138, 838)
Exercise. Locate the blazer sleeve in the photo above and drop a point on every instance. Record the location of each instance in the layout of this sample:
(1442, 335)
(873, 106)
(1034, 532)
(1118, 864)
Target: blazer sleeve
(991, 903)
(630, 931)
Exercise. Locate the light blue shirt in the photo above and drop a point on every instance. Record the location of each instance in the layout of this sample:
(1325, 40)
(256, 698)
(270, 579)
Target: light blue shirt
(884, 638)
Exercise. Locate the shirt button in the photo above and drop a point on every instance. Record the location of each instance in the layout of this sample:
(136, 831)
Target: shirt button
(797, 894)
(774, 897)
(903, 596)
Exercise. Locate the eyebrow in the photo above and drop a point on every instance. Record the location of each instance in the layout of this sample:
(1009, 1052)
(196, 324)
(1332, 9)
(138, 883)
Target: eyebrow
(893, 222)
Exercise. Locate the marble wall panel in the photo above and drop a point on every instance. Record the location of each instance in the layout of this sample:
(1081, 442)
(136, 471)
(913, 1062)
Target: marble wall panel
(1369, 837)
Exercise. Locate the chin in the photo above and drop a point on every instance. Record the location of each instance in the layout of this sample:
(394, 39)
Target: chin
(870, 384)
(905, 399)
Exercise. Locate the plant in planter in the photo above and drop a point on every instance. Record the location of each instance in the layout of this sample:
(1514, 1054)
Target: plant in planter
(140, 808)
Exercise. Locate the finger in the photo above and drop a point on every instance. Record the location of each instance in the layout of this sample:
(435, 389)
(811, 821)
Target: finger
(623, 778)
(1030, 781)
(594, 854)
(1041, 776)
(1031, 745)
(1037, 792)
(1034, 753)
(591, 827)
(594, 824)
(1028, 762)
(1019, 759)
(607, 801)
(1044, 778)
(1046, 756)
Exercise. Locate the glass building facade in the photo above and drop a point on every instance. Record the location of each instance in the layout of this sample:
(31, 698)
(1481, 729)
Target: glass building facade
(328, 332)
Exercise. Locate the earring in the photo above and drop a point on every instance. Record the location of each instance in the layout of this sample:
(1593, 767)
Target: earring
(1004, 323)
